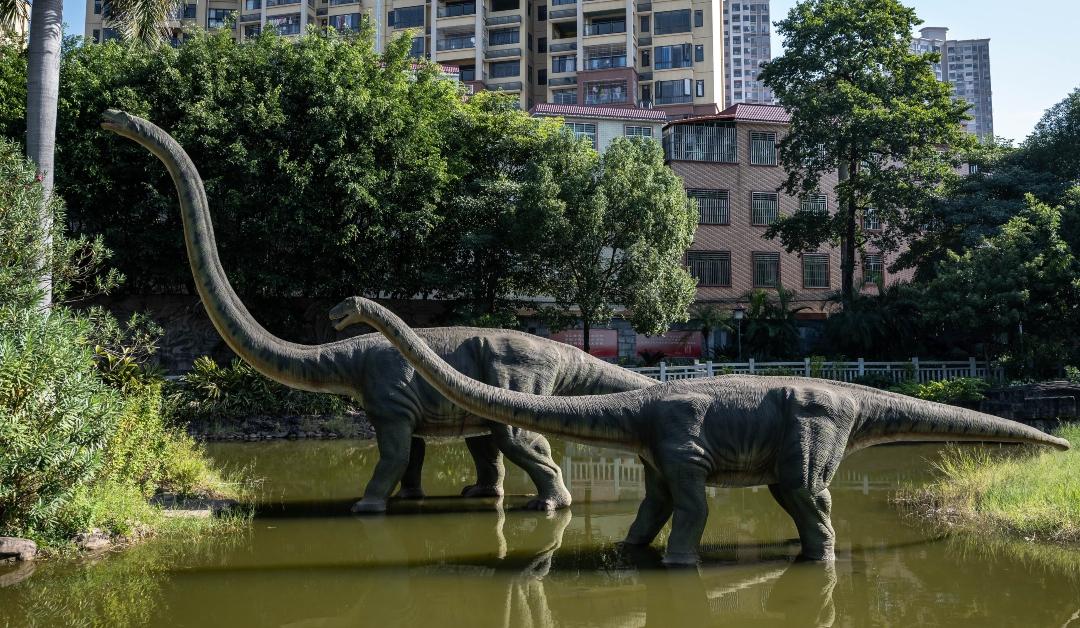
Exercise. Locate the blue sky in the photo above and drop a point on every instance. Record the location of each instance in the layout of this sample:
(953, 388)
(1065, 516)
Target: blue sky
(1034, 49)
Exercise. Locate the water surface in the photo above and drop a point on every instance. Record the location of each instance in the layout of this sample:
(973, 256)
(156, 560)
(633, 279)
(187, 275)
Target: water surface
(305, 562)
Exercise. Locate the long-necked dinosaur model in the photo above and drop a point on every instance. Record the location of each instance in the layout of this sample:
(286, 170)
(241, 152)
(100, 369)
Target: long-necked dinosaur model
(399, 404)
(789, 433)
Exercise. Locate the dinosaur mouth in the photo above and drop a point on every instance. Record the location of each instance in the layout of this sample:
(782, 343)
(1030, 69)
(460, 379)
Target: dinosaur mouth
(341, 319)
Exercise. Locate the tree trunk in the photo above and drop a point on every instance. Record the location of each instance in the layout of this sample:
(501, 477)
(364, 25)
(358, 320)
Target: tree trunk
(42, 88)
(586, 324)
(847, 252)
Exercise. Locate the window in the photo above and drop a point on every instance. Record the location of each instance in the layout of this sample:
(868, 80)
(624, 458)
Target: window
(565, 97)
(814, 203)
(450, 10)
(468, 73)
(605, 92)
(673, 92)
(606, 26)
(973, 168)
(408, 17)
(638, 131)
(764, 208)
(714, 207)
(504, 36)
(504, 69)
(667, 57)
(541, 14)
(645, 58)
(284, 24)
(871, 220)
(699, 89)
(417, 49)
(699, 53)
(97, 9)
(603, 57)
(710, 268)
(699, 19)
(456, 40)
(541, 44)
(705, 141)
(815, 270)
(667, 22)
(348, 22)
(766, 270)
(646, 94)
(541, 77)
(215, 18)
(565, 63)
(505, 5)
(252, 30)
(873, 268)
(583, 130)
(762, 148)
(189, 10)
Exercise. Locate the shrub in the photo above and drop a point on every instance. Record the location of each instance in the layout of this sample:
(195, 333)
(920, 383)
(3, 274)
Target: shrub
(962, 391)
(875, 380)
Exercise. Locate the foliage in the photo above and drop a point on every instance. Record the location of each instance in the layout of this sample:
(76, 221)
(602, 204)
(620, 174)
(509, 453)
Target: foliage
(211, 391)
(883, 325)
(770, 331)
(651, 358)
(1035, 496)
(1054, 145)
(12, 90)
(863, 104)
(711, 318)
(961, 391)
(619, 231)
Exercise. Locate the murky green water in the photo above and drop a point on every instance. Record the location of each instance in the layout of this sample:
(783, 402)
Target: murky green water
(450, 562)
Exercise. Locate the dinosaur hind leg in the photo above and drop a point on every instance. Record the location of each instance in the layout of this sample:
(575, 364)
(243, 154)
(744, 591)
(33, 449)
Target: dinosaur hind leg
(395, 442)
(686, 481)
(532, 452)
(654, 510)
(411, 487)
(489, 467)
(812, 515)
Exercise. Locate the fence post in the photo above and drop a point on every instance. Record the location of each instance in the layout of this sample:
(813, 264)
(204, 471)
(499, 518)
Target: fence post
(862, 367)
(915, 365)
(709, 371)
(806, 366)
(663, 371)
(751, 366)
(971, 367)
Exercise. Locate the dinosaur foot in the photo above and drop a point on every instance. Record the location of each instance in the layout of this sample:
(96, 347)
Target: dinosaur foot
(476, 490)
(689, 559)
(821, 557)
(548, 504)
(410, 493)
(368, 506)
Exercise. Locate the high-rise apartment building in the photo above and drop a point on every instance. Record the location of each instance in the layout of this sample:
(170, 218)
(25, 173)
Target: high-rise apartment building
(665, 54)
(747, 46)
(965, 64)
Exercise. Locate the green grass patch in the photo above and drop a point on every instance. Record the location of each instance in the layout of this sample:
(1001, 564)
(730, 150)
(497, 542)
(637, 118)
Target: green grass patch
(1032, 494)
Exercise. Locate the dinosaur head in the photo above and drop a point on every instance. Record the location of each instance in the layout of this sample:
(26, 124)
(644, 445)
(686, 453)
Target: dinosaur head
(116, 121)
(351, 311)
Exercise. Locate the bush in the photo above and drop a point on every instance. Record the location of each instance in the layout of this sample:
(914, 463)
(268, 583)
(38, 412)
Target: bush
(963, 391)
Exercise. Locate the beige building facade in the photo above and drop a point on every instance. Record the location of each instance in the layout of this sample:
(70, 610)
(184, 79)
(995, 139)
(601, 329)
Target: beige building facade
(602, 125)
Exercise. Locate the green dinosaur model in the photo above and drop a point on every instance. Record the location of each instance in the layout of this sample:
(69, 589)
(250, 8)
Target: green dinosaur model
(399, 405)
(789, 433)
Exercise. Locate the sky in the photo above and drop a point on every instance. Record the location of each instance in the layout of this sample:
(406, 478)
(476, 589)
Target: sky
(1034, 49)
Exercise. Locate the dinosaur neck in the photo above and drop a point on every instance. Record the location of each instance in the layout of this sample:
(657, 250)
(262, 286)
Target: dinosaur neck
(598, 420)
(308, 367)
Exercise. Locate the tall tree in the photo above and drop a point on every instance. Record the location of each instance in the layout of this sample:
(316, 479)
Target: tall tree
(619, 235)
(865, 106)
(1054, 145)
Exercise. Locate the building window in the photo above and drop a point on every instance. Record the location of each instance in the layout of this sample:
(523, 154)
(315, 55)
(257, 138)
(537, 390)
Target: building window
(973, 168)
(605, 92)
(644, 24)
(707, 141)
(541, 44)
(815, 270)
(564, 63)
(456, 40)
(699, 18)
(607, 26)
(814, 203)
(468, 73)
(667, 22)
(541, 77)
(564, 97)
(351, 22)
(216, 18)
(668, 57)
(638, 131)
(674, 92)
(764, 208)
(190, 9)
(710, 268)
(504, 36)
(284, 24)
(646, 94)
(504, 69)
(417, 49)
(541, 14)
(583, 130)
(699, 53)
(714, 206)
(603, 57)
(766, 270)
(252, 30)
(505, 5)
(408, 17)
(645, 58)
(871, 220)
(873, 268)
(762, 148)
(97, 9)
(699, 89)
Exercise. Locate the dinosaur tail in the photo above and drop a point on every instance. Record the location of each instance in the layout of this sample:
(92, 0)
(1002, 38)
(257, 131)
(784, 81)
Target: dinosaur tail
(890, 417)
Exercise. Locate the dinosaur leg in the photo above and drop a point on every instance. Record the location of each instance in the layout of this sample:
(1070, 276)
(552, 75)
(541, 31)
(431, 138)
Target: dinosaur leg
(654, 511)
(395, 440)
(811, 512)
(411, 482)
(489, 467)
(686, 481)
(532, 452)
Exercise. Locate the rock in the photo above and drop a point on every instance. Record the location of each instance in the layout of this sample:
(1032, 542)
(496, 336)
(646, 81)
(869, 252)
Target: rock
(19, 549)
(23, 571)
(93, 541)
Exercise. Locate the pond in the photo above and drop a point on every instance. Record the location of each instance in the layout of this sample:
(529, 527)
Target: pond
(305, 562)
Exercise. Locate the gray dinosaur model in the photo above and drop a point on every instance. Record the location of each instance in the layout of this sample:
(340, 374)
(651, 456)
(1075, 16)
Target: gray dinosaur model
(789, 433)
(400, 405)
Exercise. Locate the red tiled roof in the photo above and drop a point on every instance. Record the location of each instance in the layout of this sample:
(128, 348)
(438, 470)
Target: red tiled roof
(613, 113)
(742, 112)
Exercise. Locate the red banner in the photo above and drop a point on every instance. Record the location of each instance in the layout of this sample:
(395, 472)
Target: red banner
(603, 343)
(673, 344)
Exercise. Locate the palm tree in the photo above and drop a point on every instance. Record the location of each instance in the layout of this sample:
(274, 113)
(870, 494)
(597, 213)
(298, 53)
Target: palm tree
(139, 18)
(710, 318)
(771, 330)
(12, 15)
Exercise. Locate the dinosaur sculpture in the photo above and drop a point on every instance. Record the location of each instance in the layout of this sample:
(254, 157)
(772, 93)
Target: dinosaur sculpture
(789, 433)
(399, 405)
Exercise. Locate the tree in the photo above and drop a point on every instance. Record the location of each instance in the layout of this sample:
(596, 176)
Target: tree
(863, 105)
(1054, 145)
(618, 235)
(771, 330)
(710, 318)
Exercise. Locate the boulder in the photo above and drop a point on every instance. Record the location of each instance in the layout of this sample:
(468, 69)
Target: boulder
(19, 549)
(93, 541)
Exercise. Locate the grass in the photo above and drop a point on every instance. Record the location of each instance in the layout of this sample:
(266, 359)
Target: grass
(1033, 495)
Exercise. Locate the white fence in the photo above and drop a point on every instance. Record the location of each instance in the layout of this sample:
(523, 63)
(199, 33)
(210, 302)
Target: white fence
(922, 371)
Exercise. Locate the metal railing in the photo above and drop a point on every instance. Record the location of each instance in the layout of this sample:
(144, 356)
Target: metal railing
(457, 10)
(673, 100)
(605, 28)
(918, 370)
(456, 43)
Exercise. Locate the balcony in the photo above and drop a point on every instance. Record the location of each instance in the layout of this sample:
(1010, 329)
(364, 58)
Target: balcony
(505, 52)
(605, 28)
(457, 10)
(644, 40)
(513, 86)
(673, 100)
(463, 42)
(644, 7)
(605, 63)
(561, 13)
(503, 19)
(320, 12)
(562, 80)
(566, 47)
(250, 17)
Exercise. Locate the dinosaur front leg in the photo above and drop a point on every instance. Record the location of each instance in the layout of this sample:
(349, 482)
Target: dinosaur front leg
(532, 452)
(654, 511)
(686, 481)
(395, 441)
(812, 515)
(489, 467)
(411, 482)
